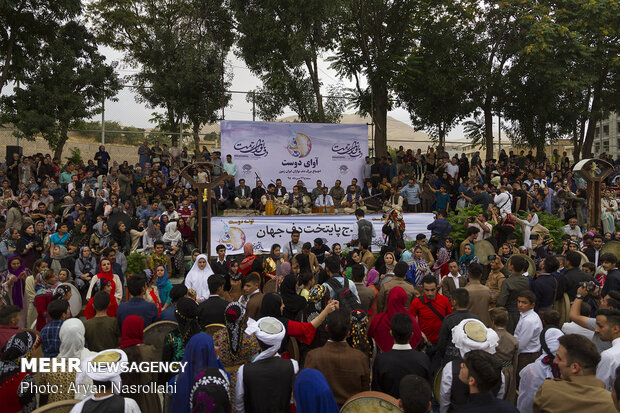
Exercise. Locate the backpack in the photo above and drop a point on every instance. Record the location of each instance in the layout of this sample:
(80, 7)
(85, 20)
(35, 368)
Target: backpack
(344, 295)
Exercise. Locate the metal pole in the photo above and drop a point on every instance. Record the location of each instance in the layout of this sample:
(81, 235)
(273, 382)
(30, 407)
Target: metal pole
(181, 134)
(253, 106)
(103, 122)
(200, 206)
(499, 133)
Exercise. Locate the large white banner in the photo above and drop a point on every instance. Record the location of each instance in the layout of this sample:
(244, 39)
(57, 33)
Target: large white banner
(293, 151)
(264, 231)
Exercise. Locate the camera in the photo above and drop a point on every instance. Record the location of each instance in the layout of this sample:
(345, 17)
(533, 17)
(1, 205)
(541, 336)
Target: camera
(491, 257)
(590, 286)
(534, 236)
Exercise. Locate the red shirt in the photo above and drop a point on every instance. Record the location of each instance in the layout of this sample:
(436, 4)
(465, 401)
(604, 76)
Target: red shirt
(429, 322)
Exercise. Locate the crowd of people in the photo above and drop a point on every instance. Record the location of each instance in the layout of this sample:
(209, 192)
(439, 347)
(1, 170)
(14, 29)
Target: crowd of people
(309, 324)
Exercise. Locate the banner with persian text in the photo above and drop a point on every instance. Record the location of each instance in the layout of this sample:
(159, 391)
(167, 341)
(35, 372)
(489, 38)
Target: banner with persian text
(264, 231)
(292, 151)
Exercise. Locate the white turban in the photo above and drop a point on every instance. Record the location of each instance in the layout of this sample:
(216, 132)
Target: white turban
(268, 330)
(471, 334)
(104, 366)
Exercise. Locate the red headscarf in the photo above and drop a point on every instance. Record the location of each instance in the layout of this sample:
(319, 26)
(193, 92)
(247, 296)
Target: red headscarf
(132, 331)
(380, 325)
(246, 264)
(109, 276)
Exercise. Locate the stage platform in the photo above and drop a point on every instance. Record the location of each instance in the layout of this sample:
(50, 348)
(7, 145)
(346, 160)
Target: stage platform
(264, 231)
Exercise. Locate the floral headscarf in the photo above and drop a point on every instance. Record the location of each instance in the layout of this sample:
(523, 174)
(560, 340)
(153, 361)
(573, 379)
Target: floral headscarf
(234, 318)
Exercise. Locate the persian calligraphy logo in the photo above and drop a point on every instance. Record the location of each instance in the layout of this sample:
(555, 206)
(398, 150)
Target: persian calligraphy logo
(352, 150)
(300, 145)
(256, 148)
(232, 238)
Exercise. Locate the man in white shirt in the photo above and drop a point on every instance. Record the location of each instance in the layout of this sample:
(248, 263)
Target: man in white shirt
(324, 200)
(503, 201)
(452, 168)
(608, 327)
(528, 329)
(485, 227)
(572, 229)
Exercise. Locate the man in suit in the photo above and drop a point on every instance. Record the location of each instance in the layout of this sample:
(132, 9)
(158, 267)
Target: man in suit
(400, 270)
(252, 298)
(593, 252)
(460, 301)
(453, 280)
(367, 295)
(280, 191)
(346, 369)
(511, 288)
(211, 311)
(243, 195)
(578, 390)
(479, 295)
(573, 277)
(390, 367)
(220, 265)
(221, 195)
(137, 305)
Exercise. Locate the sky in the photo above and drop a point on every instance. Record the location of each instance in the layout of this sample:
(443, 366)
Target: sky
(128, 112)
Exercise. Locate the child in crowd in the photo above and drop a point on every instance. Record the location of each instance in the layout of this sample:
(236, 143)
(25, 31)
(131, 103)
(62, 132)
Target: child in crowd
(163, 285)
(306, 281)
(236, 289)
(528, 330)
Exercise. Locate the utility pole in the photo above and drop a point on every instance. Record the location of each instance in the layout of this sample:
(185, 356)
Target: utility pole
(103, 121)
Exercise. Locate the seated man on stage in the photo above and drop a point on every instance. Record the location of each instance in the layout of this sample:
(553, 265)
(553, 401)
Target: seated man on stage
(243, 195)
(357, 187)
(372, 196)
(280, 190)
(337, 193)
(302, 189)
(297, 202)
(221, 195)
(279, 208)
(352, 201)
(324, 200)
(395, 201)
(316, 192)
(257, 196)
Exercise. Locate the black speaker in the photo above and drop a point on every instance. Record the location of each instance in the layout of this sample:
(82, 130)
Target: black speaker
(10, 150)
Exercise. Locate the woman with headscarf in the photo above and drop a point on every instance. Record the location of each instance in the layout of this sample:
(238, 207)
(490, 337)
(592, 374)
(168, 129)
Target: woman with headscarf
(444, 255)
(186, 313)
(29, 245)
(100, 239)
(84, 269)
(173, 240)
(394, 230)
(273, 262)
(235, 347)
(199, 355)
(80, 236)
(467, 258)
(187, 234)
(60, 258)
(197, 277)
(14, 216)
(387, 267)
(17, 387)
(380, 325)
(358, 338)
(102, 285)
(67, 207)
(105, 273)
(372, 281)
(132, 334)
(418, 267)
(313, 394)
(294, 303)
(121, 235)
(246, 264)
(152, 292)
(152, 234)
(72, 343)
(44, 287)
(8, 244)
(210, 392)
(12, 281)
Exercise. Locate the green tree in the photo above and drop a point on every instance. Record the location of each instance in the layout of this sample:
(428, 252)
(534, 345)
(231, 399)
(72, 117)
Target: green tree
(437, 81)
(67, 85)
(180, 48)
(281, 41)
(25, 27)
(374, 37)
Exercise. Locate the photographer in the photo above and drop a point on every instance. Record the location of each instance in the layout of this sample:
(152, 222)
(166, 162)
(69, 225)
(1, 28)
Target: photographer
(573, 277)
(610, 301)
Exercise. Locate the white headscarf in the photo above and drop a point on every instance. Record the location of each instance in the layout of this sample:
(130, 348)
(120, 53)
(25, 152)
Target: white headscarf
(527, 231)
(172, 234)
(104, 371)
(270, 331)
(72, 340)
(465, 343)
(197, 279)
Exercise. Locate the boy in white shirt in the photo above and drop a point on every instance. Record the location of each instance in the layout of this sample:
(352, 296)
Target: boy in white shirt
(528, 330)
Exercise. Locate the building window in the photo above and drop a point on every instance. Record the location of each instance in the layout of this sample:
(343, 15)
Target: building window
(597, 131)
(605, 130)
(597, 147)
(618, 128)
(605, 146)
